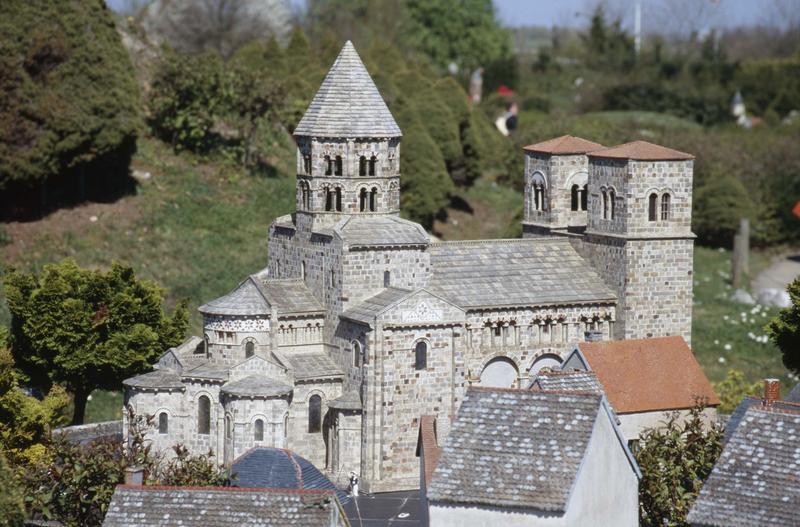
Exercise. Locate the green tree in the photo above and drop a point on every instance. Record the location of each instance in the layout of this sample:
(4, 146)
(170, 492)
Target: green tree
(70, 98)
(733, 389)
(718, 206)
(88, 329)
(187, 470)
(12, 499)
(675, 460)
(784, 330)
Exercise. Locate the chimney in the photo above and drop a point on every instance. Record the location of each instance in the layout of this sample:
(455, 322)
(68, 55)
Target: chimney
(593, 336)
(134, 475)
(772, 391)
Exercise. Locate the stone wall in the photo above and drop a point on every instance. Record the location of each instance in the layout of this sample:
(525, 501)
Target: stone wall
(560, 173)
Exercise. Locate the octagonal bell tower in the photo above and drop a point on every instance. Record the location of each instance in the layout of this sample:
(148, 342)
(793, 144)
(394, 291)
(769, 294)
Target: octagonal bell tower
(348, 149)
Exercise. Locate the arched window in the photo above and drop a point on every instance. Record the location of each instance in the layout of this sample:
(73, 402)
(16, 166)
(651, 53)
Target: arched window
(305, 191)
(249, 349)
(338, 199)
(387, 278)
(584, 195)
(204, 415)
(362, 200)
(362, 166)
(163, 423)
(575, 198)
(314, 414)
(328, 199)
(338, 165)
(538, 196)
(611, 198)
(328, 166)
(258, 430)
(307, 164)
(651, 208)
(372, 162)
(356, 354)
(665, 207)
(303, 270)
(373, 198)
(203, 349)
(500, 372)
(421, 355)
(228, 427)
(605, 204)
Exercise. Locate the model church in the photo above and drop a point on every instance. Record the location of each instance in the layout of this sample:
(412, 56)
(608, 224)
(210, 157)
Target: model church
(360, 323)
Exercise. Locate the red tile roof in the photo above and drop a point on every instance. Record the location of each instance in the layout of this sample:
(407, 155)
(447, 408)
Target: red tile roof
(647, 375)
(428, 443)
(566, 144)
(642, 151)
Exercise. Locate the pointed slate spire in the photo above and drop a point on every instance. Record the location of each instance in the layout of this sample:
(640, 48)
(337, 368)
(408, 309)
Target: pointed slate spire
(348, 104)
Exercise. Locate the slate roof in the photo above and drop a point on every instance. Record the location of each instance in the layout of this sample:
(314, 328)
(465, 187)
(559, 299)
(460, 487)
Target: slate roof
(641, 151)
(153, 506)
(207, 370)
(794, 395)
(256, 386)
(313, 365)
(567, 381)
(380, 231)
(736, 416)
(347, 401)
(564, 145)
(526, 272)
(756, 481)
(366, 310)
(256, 294)
(647, 375)
(162, 378)
(515, 448)
(348, 104)
(276, 468)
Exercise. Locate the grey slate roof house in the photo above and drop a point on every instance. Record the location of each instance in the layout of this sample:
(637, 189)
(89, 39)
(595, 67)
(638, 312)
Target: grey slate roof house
(521, 457)
(143, 506)
(756, 481)
(360, 324)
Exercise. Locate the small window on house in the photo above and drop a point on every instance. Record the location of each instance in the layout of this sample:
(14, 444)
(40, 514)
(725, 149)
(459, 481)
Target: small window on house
(362, 166)
(362, 200)
(333, 277)
(356, 354)
(387, 278)
(338, 199)
(303, 270)
(584, 195)
(258, 430)
(338, 165)
(651, 207)
(373, 198)
(611, 198)
(604, 196)
(372, 162)
(203, 415)
(314, 414)
(575, 199)
(665, 207)
(328, 166)
(163, 423)
(421, 355)
(249, 349)
(328, 200)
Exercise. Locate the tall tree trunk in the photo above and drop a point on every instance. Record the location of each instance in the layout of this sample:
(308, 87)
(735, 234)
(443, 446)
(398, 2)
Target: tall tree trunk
(79, 400)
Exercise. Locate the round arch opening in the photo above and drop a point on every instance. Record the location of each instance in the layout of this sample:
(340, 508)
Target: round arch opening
(500, 372)
(545, 361)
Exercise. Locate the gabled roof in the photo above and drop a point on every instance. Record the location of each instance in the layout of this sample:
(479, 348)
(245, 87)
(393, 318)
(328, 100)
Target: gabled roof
(366, 310)
(756, 480)
(276, 468)
(313, 365)
(256, 386)
(517, 449)
(641, 151)
(347, 401)
(527, 272)
(564, 145)
(256, 296)
(218, 507)
(348, 104)
(567, 381)
(647, 375)
(794, 394)
(747, 403)
(162, 378)
(380, 231)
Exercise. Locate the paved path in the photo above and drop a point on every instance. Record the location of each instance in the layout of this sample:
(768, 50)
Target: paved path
(779, 274)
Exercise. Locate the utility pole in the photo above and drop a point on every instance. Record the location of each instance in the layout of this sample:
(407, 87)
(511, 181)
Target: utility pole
(637, 27)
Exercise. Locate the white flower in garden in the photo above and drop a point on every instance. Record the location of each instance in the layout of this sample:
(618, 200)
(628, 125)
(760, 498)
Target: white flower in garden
(716, 342)
(728, 347)
(722, 360)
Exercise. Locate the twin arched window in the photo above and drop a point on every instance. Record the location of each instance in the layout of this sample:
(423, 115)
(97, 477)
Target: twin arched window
(653, 209)
(314, 414)
(578, 200)
(609, 207)
(421, 355)
(204, 415)
(333, 199)
(305, 195)
(539, 197)
(367, 199)
(366, 166)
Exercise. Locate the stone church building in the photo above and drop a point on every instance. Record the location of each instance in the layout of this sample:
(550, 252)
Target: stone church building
(361, 323)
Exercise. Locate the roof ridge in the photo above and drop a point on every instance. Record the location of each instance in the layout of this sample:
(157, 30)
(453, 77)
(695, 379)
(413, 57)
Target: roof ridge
(275, 490)
(508, 241)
